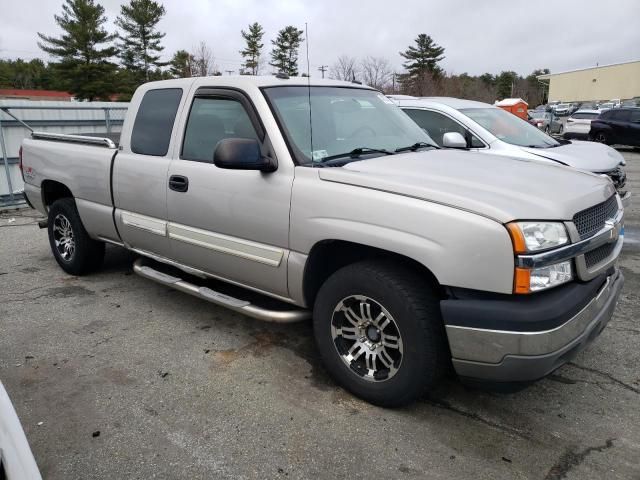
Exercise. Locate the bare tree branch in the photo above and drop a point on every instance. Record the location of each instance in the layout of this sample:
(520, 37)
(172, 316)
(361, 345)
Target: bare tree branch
(376, 72)
(345, 68)
(203, 63)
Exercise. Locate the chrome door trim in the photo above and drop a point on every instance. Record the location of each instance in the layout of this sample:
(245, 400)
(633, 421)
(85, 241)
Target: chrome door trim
(226, 244)
(238, 247)
(143, 222)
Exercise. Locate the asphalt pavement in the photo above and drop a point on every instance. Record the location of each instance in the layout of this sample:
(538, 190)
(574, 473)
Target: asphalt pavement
(114, 376)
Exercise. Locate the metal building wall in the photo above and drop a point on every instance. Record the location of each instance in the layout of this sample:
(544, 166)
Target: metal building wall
(595, 84)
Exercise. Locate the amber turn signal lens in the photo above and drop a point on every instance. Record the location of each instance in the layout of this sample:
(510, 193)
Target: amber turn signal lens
(519, 245)
(522, 280)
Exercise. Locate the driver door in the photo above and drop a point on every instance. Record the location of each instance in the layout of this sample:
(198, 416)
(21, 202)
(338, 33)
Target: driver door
(233, 224)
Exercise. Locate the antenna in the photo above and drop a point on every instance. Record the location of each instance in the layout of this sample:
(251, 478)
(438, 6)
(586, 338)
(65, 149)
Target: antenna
(306, 35)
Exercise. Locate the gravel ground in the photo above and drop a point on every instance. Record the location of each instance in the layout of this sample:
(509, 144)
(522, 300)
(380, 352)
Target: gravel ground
(133, 380)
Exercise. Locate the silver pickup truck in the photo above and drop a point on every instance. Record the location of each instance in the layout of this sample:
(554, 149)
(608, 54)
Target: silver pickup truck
(326, 197)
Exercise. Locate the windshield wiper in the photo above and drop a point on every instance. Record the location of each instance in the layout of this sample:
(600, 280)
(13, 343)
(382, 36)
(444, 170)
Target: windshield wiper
(356, 152)
(415, 147)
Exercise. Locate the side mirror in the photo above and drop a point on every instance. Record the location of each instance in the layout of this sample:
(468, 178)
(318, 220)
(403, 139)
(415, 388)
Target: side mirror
(242, 154)
(453, 140)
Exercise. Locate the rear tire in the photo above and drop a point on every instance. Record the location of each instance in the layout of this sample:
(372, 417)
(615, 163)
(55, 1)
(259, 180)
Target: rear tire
(602, 137)
(73, 249)
(388, 307)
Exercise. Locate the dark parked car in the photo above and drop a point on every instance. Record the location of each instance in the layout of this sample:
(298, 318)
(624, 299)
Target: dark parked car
(620, 125)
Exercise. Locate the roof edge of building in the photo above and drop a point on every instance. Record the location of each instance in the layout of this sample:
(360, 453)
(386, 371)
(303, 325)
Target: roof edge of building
(549, 75)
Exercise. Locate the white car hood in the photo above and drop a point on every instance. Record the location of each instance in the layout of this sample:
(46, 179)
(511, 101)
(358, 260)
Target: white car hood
(589, 156)
(489, 185)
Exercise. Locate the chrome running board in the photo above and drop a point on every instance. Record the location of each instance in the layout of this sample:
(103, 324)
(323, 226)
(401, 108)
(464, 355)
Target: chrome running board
(204, 293)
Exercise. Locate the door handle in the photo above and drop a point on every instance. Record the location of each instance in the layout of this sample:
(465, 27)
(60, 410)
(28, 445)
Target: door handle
(178, 183)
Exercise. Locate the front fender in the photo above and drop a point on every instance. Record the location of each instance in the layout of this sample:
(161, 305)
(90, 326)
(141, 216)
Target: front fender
(460, 248)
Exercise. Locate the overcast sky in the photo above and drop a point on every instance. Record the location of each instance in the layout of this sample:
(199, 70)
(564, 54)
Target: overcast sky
(478, 36)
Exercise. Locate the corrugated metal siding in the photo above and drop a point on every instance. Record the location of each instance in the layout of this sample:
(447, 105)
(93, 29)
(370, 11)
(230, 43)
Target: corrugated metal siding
(50, 117)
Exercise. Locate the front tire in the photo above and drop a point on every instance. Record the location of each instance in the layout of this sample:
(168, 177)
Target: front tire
(73, 249)
(380, 333)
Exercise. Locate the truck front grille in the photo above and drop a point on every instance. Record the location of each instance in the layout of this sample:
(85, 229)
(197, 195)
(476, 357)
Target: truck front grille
(598, 255)
(590, 220)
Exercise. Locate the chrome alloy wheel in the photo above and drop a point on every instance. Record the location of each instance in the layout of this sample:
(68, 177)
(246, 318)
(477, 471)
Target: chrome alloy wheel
(63, 237)
(367, 338)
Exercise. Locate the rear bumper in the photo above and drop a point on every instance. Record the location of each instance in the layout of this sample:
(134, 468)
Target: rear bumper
(578, 135)
(545, 332)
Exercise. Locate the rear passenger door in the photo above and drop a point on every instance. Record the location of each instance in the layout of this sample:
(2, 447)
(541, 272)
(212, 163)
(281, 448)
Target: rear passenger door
(619, 120)
(233, 224)
(140, 171)
(634, 128)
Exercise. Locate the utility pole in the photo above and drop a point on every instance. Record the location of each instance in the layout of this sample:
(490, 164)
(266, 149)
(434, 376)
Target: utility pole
(323, 68)
(229, 72)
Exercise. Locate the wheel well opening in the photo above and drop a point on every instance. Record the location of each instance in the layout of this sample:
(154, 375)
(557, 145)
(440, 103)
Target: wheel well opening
(52, 191)
(329, 256)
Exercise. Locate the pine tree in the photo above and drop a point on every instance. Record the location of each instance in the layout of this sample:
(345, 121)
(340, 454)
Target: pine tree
(140, 48)
(181, 64)
(505, 83)
(424, 57)
(83, 50)
(423, 73)
(253, 49)
(284, 55)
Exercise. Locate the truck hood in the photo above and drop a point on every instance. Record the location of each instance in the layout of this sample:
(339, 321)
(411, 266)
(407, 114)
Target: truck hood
(589, 156)
(493, 186)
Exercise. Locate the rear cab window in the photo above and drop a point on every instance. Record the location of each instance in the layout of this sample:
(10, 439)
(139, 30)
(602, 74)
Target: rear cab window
(156, 115)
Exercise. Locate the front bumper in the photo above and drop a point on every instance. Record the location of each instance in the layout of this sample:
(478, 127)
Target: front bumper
(532, 347)
(625, 197)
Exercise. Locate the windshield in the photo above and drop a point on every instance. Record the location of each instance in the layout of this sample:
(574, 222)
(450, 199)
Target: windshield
(539, 114)
(344, 120)
(509, 128)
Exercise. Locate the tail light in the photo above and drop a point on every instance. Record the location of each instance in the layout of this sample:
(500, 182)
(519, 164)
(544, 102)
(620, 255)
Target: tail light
(20, 162)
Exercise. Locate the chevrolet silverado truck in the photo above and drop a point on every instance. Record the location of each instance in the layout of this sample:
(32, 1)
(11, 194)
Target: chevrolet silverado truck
(328, 198)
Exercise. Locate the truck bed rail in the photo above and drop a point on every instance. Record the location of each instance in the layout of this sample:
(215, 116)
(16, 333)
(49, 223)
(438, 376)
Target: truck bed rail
(87, 140)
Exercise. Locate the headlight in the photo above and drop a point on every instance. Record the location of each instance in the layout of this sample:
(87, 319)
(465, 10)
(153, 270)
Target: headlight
(536, 279)
(534, 236)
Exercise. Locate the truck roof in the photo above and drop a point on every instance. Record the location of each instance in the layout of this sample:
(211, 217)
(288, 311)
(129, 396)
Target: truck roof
(253, 80)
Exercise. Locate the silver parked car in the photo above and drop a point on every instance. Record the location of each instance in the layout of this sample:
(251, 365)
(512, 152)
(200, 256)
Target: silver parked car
(546, 121)
(487, 129)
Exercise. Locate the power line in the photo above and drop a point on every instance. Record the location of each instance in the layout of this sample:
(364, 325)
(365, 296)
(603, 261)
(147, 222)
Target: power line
(323, 68)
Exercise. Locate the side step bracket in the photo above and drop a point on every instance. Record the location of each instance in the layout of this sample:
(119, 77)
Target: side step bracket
(204, 293)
